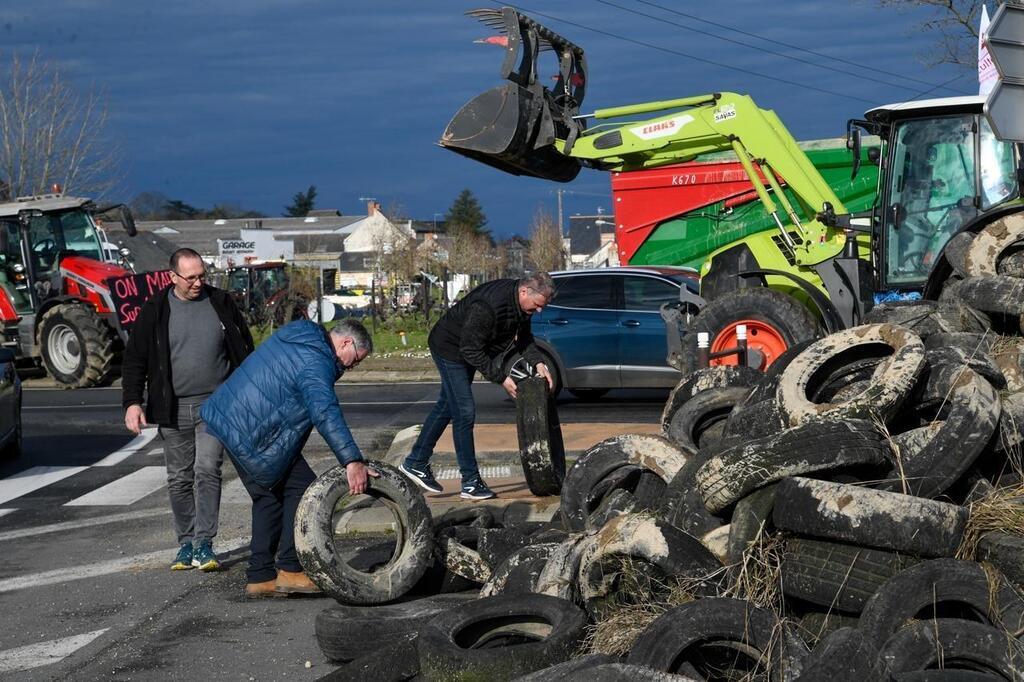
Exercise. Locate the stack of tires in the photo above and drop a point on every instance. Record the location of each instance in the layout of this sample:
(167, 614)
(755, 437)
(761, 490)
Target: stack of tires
(873, 475)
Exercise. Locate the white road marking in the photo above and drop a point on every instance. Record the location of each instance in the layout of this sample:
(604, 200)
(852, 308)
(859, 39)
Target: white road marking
(161, 558)
(140, 441)
(493, 471)
(44, 653)
(125, 490)
(24, 482)
(74, 525)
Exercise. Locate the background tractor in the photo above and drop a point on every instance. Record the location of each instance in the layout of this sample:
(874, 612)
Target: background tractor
(55, 304)
(818, 268)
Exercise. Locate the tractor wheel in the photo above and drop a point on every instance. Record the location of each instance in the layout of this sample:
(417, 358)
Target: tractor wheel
(76, 345)
(774, 322)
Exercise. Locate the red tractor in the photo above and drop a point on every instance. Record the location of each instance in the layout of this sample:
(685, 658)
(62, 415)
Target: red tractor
(55, 303)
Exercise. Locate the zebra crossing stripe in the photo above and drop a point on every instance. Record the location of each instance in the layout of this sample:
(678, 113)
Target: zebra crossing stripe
(24, 482)
(44, 653)
(81, 523)
(5, 512)
(125, 490)
(117, 456)
(160, 558)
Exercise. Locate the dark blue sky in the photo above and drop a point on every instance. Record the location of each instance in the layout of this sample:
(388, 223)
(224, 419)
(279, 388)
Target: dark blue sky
(250, 102)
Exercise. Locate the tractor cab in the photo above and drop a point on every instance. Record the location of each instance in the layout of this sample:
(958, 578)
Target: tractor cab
(942, 169)
(257, 287)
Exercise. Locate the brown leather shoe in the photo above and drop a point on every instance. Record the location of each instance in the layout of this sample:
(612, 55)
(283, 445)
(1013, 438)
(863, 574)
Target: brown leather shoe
(263, 589)
(294, 582)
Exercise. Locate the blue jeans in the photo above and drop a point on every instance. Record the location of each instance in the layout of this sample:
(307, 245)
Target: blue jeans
(455, 406)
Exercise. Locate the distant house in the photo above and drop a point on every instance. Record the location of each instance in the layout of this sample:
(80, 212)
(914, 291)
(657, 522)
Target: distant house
(592, 241)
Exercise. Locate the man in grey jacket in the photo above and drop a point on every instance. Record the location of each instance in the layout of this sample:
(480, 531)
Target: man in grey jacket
(185, 342)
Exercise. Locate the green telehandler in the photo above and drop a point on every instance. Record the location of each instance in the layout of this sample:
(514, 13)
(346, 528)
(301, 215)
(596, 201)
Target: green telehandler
(941, 171)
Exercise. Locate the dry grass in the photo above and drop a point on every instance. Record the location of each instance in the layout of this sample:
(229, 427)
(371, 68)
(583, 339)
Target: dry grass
(758, 575)
(1002, 509)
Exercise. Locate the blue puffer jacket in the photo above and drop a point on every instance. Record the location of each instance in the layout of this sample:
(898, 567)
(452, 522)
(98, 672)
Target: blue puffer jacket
(267, 405)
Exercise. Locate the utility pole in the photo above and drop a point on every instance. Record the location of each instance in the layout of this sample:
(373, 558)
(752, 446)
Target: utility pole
(561, 232)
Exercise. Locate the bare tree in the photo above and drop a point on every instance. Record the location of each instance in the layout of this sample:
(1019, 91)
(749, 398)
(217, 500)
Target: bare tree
(955, 25)
(546, 249)
(49, 133)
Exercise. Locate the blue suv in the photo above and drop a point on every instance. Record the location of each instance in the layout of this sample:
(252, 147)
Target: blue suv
(603, 329)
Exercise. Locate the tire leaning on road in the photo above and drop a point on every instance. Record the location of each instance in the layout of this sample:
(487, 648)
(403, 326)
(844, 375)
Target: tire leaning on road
(314, 537)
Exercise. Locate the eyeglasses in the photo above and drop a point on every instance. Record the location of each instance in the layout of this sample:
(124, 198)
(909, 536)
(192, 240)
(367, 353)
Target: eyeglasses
(191, 279)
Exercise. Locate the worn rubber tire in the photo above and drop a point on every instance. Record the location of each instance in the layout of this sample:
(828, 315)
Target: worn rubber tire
(989, 244)
(837, 576)
(345, 632)
(789, 317)
(561, 671)
(923, 317)
(559, 575)
(940, 582)
(814, 447)
(976, 360)
(457, 546)
(815, 626)
(1008, 359)
(944, 675)
(718, 376)
(751, 519)
(314, 540)
(495, 544)
(938, 455)
(95, 339)
(683, 505)
(401, 663)
(844, 656)
(694, 423)
(448, 644)
(881, 400)
(641, 539)
(1005, 551)
(955, 251)
(665, 643)
(870, 518)
(519, 572)
(623, 672)
(954, 643)
(480, 516)
(541, 449)
(993, 294)
(651, 453)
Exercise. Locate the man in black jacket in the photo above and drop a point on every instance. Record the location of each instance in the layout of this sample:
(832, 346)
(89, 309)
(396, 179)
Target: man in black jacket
(186, 340)
(477, 334)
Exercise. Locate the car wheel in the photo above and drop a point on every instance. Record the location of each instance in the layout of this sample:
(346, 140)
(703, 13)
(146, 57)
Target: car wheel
(556, 377)
(588, 393)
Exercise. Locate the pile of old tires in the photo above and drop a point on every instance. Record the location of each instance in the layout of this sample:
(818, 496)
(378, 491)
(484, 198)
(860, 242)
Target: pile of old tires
(854, 513)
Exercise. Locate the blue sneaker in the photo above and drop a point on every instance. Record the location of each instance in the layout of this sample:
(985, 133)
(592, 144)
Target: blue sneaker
(203, 557)
(421, 476)
(476, 489)
(183, 561)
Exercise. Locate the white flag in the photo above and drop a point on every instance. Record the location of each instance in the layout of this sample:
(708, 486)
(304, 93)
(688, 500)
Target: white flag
(987, 73)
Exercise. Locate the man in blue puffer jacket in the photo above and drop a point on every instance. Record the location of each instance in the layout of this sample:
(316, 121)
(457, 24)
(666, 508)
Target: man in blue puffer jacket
(263, 415)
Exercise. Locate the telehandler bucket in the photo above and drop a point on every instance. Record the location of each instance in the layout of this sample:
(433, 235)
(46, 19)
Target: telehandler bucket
(515, 126)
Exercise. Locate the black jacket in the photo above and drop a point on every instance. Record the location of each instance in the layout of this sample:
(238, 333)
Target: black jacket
(484, 329)
(147, 356)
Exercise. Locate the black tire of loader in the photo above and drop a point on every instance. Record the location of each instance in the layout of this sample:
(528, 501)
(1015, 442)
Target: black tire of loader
(665, 642)
(814, 447)
(448, 644)
(96, 340)
(314, 537)
(792, 320)
(837, 576)
(541, 449)
(701, 413)
(870, 518)
(940, 583)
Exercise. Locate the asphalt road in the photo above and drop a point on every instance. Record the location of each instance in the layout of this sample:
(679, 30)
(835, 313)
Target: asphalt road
(86, 538)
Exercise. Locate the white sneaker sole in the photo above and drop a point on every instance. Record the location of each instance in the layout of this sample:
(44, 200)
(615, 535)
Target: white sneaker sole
(468, 496)
(416, 479)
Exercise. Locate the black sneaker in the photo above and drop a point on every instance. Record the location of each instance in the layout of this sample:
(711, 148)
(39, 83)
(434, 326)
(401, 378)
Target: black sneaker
(476, 490)
(421, 476)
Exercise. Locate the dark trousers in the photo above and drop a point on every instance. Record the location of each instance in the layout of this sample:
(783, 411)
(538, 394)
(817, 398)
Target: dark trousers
(454, 406)
(273, 520)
